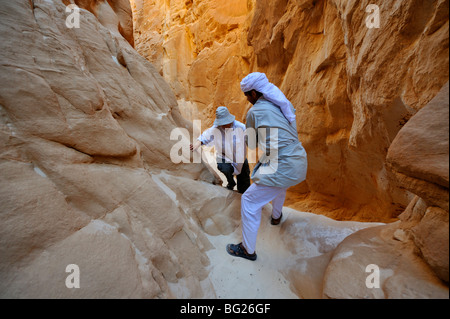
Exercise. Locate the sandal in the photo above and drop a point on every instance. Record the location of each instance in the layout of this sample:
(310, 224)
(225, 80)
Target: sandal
(239, 251)
(276, 221)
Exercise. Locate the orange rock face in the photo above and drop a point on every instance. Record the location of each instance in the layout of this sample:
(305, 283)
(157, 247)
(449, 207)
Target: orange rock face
(200, 48)
(419, 242)
(354, 84)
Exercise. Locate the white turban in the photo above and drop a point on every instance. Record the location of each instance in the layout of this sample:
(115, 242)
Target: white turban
(259, 82)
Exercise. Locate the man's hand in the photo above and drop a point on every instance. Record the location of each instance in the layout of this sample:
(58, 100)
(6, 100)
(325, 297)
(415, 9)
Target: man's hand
(195, 146)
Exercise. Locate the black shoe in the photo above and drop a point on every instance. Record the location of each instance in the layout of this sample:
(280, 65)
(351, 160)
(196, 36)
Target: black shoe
(239, 251)
(276, 221)
(231, 187)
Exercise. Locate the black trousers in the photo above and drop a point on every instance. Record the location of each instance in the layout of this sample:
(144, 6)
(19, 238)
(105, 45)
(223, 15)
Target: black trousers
(243, 179)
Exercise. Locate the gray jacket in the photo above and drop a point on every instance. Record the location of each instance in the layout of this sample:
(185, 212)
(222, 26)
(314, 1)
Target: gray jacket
(284, 164)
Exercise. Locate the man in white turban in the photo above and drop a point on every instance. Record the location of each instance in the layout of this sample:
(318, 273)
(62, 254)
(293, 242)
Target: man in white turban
(273, 174)
(258, 82)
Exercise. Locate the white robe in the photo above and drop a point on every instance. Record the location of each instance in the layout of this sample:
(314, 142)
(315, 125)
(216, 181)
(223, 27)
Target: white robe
(252, 202)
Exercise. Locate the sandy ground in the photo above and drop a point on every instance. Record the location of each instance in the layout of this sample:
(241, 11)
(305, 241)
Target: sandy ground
(292, 257)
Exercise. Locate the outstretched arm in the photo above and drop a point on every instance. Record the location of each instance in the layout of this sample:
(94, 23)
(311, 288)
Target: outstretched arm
(196, 145)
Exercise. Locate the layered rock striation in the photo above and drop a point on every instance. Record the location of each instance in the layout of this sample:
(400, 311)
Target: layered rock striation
(85, 126)
(200, 49)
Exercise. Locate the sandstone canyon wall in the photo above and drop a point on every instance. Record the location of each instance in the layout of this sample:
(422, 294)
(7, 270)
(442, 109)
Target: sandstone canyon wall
(200, 48)
(353, 87)
(418, 157)
(86, 176)
(85, 141)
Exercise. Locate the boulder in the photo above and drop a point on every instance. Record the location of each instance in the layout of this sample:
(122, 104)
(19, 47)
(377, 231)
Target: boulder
(419, 155)
(373, 264)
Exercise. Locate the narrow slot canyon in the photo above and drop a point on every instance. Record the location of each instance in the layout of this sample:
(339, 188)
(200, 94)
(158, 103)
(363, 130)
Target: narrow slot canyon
(96, 95)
